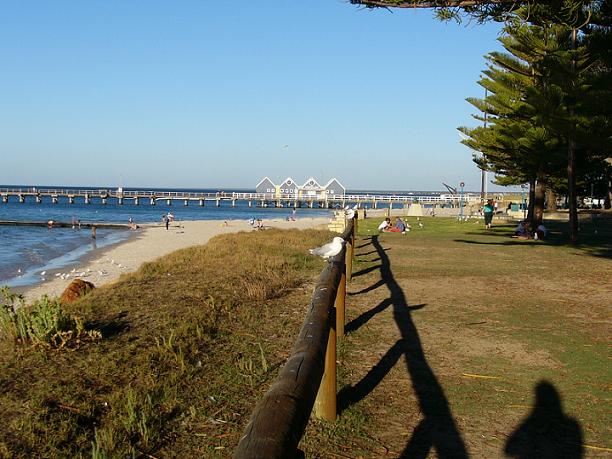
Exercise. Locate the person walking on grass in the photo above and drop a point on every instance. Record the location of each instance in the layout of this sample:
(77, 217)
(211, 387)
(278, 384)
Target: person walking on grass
(488, 211)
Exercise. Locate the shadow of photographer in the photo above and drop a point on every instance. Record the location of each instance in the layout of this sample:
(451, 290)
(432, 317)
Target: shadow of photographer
(547, 433)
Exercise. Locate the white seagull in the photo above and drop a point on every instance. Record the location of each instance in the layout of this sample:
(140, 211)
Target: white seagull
(330, 249)
(43, 273)
(350, 214)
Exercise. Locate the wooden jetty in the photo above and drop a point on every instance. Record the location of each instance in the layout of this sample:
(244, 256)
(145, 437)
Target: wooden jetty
(138, 197)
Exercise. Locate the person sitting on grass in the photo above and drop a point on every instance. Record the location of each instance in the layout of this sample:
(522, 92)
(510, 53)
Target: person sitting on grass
(385, 224)
(541, 232)
(399, 227)
(523, 230)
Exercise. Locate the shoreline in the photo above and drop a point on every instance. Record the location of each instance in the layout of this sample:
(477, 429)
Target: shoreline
(152, 241)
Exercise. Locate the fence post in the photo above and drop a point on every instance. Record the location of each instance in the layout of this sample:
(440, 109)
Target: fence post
(350, 249)
(340, 304)
(325, 403)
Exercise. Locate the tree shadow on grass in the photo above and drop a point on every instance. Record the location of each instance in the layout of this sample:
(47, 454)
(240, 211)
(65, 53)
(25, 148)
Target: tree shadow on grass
(437, 430)
(595, 236)
(547, 433)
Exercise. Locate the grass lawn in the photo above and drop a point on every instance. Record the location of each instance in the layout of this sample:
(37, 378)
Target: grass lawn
(451, 328)
(454, 329)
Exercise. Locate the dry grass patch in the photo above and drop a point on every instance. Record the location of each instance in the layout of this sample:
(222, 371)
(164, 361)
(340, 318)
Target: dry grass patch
(189, 344)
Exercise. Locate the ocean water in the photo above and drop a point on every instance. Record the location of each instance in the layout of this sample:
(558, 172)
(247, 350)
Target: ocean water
(27, 251)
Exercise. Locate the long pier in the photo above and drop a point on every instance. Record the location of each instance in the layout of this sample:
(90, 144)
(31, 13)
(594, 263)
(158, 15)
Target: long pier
(120, 197)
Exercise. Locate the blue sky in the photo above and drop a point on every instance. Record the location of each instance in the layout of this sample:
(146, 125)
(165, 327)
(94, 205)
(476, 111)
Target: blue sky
(198, 93)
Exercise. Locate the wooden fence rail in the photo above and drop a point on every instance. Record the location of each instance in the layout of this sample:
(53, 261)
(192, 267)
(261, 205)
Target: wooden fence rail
(280, 418)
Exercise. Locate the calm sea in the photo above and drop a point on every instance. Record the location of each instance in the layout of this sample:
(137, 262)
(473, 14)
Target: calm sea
(25, 251)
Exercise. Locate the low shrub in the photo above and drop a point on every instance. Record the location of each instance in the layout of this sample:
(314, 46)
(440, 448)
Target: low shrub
(44, 323)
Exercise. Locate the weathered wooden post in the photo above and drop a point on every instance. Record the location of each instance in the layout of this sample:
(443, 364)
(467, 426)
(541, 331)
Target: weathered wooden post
(340, 302)
(350, 243)
(325, 404)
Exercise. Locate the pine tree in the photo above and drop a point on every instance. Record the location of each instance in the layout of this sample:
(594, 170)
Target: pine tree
(550, 95)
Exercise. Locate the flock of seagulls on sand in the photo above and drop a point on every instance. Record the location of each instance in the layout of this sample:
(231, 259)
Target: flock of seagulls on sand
(78, 273)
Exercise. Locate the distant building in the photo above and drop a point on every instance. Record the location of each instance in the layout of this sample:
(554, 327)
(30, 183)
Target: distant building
(289, 188)
(266, 187)
(311, 189)
(335, 187)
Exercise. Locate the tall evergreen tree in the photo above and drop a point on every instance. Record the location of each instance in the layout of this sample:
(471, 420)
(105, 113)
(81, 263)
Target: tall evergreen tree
(550, 95)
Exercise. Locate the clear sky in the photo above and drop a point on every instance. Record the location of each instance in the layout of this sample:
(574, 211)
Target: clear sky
(196, 93)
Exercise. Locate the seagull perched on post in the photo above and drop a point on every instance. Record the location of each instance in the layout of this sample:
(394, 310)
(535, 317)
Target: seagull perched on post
(330, 249)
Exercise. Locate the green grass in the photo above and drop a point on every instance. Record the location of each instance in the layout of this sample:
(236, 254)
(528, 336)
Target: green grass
(191, 342)
(520, 311)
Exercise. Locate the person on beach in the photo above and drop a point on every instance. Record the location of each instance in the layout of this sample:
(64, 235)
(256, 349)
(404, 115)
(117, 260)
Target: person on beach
(93, 232)
(488, 210)
(50, 224)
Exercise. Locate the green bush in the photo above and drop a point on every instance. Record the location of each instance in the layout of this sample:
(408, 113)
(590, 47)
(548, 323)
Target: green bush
(44, 323)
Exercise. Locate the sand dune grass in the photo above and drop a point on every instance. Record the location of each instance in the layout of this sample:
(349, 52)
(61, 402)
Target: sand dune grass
(190, 342)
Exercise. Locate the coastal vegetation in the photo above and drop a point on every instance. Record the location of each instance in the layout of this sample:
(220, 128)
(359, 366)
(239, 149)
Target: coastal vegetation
(43, 323)
(190, 342)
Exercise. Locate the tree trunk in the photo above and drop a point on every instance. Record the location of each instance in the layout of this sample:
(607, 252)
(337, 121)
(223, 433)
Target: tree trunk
(571, 191)
(571, 165)
(530, 205)
(538, 199)
(551, 200)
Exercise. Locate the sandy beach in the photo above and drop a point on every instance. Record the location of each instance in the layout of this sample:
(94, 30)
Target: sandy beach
(151, 242)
